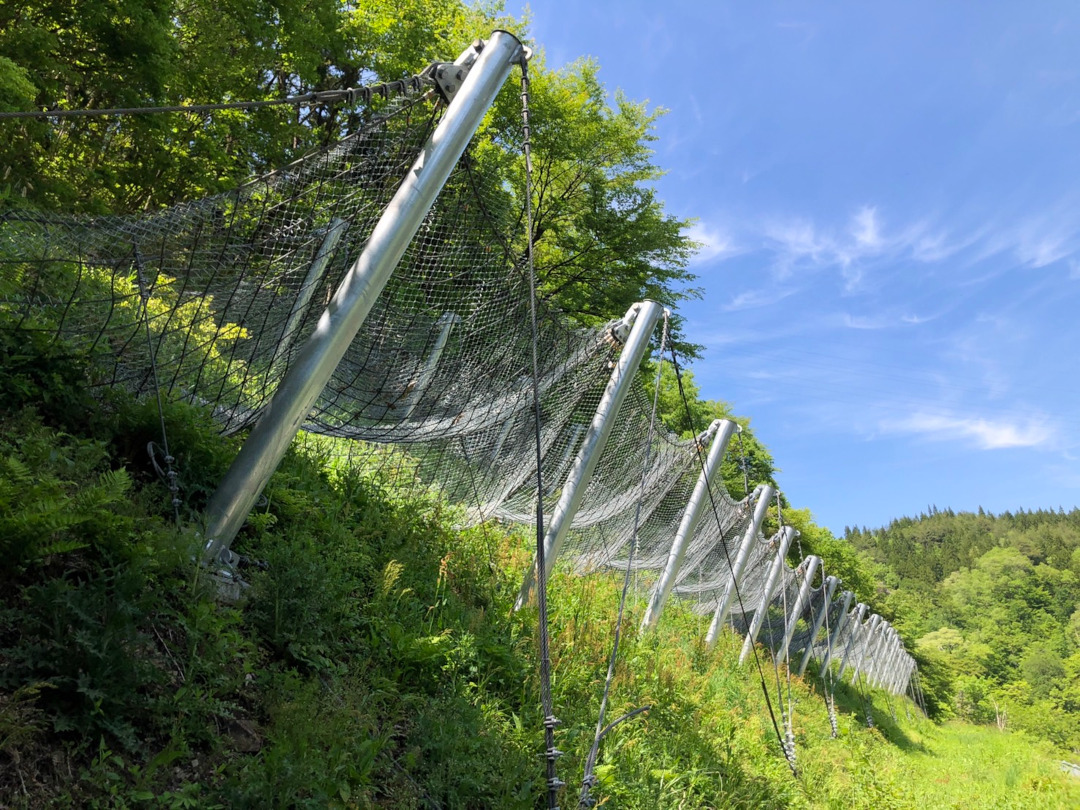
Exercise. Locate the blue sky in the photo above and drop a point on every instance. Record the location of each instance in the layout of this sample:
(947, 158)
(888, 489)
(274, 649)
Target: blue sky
(889, 197)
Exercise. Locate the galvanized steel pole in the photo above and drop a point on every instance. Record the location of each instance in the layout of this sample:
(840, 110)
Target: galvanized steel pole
(872, 638)
(356, 295)
(845, 617)
(765, 494)
(896, 653)
(786, 536)
(828, 591)
(643, 318)
(892, 654)
(856, 631)
(881, 655)
(811, 562)
(723, 430)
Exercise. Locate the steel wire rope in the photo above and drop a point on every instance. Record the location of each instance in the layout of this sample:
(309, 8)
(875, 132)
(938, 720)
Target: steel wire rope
(588, 779)
(551, 753)
(829, 693)
(349, 95)
(727, 555)
(169, 473)
(785, 711)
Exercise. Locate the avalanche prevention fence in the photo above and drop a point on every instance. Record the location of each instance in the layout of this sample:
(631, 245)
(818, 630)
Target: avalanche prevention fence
(381, 291)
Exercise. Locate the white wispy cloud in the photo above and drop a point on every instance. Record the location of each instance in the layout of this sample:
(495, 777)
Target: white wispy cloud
(865, 229)
(885, 320)
(763, 296)
(987, 434)
(796, 241)
(1037, 239)
(802, 244)
(715, 243)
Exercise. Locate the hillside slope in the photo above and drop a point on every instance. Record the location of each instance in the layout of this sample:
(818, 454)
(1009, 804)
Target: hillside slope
(374, 661)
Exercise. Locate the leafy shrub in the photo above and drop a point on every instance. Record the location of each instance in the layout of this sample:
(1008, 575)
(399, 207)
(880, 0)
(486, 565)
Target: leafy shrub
(57, 494)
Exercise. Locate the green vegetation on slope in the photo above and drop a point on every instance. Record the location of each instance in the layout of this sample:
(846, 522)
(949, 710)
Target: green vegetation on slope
(374, 660)
(992, 604)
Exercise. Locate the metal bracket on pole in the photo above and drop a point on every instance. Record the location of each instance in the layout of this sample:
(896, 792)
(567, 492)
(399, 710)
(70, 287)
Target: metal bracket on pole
(639, 323)
(356, 295)
(764, 495)
(787, 534)
(811, 562)
(819, 619)
(856, 631)
(826, 660)
(721, 430)
(450, 76)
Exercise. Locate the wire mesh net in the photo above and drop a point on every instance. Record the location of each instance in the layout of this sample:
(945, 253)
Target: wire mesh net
(231, 286)
(438, 380)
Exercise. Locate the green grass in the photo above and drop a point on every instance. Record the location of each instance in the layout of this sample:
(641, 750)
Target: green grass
(376, 663)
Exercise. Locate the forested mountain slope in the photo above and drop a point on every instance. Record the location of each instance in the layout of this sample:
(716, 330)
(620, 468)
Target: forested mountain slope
(992, 604)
